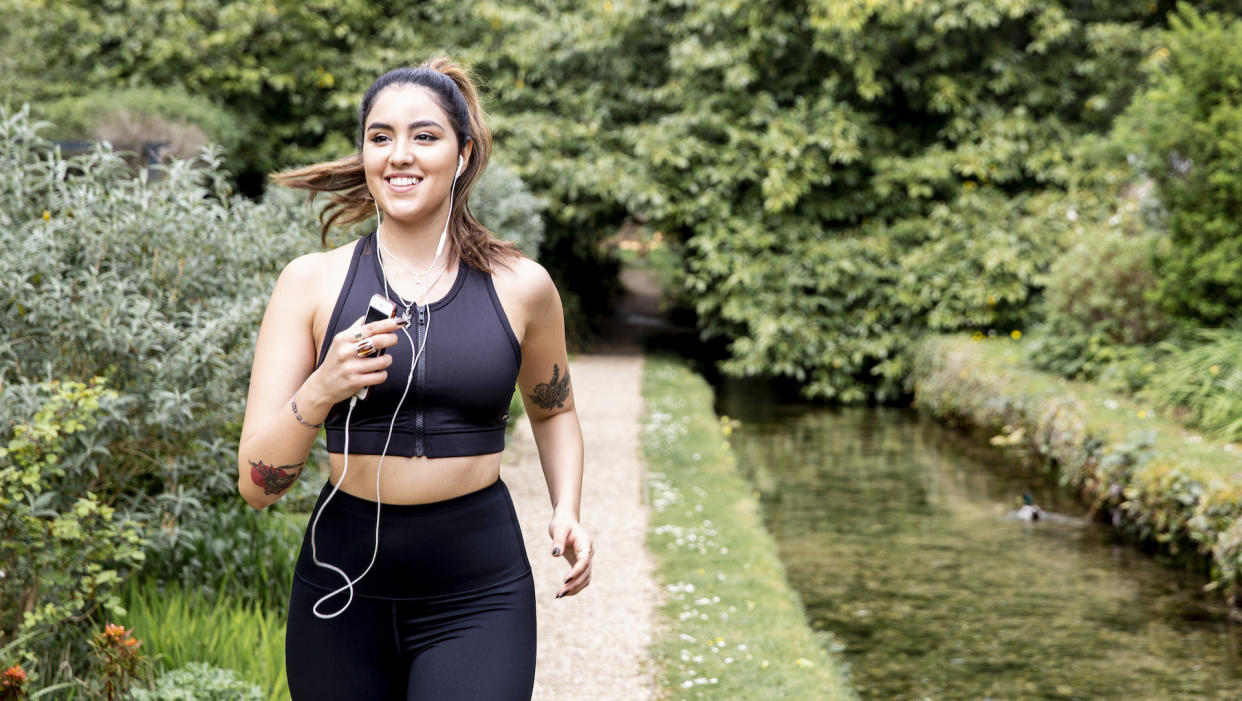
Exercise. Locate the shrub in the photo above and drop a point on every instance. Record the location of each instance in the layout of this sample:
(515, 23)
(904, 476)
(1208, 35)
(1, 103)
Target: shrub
(63, 550)
(157, 287)
(128, 118)
(233, 550)
(504, 205)
(1186, 128)
(1203, 383)
(198, 681)
(1100, 286)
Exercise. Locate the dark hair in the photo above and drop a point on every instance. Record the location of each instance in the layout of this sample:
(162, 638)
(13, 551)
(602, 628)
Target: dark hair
(346, 182)
(447, 94)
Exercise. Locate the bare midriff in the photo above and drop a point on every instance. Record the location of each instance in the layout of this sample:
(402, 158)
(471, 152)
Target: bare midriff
(415, 480)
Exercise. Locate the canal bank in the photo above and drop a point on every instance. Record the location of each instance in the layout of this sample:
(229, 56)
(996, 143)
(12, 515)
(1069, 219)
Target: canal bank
(1161, 484)
(733, 628)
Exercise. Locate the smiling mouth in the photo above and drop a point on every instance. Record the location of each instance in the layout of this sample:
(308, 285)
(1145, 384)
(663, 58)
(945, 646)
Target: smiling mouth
(403, 181)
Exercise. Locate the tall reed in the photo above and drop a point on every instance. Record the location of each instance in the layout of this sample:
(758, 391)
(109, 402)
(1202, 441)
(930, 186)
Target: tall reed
(179, 626)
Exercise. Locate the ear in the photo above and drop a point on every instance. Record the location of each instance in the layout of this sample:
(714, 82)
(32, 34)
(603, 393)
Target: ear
(464, 158)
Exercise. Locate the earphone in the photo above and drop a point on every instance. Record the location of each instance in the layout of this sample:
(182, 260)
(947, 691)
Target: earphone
(353, 400)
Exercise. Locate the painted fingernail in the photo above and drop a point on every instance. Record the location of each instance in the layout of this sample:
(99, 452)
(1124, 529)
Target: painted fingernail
(556, 551)
(560, 595)
(402, 321)
(567, 579)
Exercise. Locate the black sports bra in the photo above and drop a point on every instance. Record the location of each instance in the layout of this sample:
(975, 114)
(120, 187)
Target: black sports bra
(458, 402)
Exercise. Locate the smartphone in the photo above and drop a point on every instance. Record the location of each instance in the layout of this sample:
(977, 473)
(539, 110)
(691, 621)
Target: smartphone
(380, 308)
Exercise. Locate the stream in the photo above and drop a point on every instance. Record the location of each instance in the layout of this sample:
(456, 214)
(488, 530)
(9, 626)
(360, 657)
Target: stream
(900, 535)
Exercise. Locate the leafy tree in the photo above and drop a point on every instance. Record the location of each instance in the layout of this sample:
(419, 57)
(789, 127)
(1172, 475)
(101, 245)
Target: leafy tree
(1187, 129)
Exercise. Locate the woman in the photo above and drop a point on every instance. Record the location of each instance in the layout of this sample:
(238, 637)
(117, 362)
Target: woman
(413, 580)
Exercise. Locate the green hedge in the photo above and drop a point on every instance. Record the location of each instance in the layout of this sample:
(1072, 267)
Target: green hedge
(1158, 482)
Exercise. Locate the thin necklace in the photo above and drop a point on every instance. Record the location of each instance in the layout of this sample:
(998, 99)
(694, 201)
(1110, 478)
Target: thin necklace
(418, 277)
(407, 303)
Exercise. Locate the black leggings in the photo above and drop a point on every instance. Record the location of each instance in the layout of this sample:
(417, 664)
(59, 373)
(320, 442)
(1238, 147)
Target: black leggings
(447, 611)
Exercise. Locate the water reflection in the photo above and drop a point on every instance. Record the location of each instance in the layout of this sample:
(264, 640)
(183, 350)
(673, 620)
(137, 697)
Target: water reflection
(894, 531)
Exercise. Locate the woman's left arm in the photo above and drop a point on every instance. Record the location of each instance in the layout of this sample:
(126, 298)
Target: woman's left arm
(547, 393)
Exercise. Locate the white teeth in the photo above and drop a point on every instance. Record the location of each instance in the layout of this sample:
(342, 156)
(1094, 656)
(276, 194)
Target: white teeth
(402, 182)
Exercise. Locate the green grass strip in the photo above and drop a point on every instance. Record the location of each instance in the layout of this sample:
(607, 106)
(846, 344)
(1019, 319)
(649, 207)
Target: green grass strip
(732, 628)
(1160, 481)
(177, 628)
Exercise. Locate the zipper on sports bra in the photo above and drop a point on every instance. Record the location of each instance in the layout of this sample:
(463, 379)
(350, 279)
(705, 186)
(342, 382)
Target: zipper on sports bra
(418, 385)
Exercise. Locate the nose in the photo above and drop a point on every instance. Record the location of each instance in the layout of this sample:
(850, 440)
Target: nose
(402, 153)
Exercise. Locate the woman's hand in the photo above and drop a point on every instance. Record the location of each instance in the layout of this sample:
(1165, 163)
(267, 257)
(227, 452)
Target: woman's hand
(571, 540)
(343, 371)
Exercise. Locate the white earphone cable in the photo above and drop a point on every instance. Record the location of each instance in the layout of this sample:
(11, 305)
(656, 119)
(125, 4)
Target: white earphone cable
(418, 354)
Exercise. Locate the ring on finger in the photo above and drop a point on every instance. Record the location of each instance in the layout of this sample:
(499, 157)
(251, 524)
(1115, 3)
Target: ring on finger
(364, 348)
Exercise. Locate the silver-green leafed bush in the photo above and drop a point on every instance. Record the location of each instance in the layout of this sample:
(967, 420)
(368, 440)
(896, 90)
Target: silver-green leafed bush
(504, 204)
(157, 287)
(198, 681)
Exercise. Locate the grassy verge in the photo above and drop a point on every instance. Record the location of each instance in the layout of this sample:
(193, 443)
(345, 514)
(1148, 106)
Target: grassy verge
(177, 628)
(1157, 480)
(732, 628)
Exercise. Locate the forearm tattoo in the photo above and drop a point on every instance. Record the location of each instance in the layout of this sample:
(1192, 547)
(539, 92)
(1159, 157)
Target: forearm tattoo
(554, 393)
(274, 480)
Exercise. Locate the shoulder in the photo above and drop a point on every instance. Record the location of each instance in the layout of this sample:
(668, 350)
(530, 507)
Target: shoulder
(310, 269)
(527, 283)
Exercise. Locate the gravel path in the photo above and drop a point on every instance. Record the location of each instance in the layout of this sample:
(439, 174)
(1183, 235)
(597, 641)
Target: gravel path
(593, 645)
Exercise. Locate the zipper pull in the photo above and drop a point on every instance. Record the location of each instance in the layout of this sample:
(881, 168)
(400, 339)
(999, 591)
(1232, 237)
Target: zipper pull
(421, 318)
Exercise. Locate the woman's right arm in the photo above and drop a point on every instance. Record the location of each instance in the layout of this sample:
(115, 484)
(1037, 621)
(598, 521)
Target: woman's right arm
(274, 444)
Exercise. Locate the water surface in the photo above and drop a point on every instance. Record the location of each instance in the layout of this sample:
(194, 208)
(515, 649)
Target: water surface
(898, 534)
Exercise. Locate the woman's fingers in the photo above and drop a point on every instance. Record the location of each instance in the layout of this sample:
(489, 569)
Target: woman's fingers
(577, 579)
(580, 573)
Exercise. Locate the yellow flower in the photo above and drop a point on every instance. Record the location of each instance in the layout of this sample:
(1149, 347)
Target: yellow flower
(804, 662)
(1015, 334)
(1214, 369)
(1142, 414)
(763, 664)
(47, 216)
(991, 301)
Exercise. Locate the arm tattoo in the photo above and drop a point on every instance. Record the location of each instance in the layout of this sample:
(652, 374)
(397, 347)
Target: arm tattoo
(554, 393)
(273, 480)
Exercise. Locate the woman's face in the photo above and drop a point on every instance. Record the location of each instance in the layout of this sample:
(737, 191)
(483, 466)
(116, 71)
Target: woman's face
(409, 154)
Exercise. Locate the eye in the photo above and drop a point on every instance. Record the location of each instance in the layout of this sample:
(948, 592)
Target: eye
(379, 138)
(425, 136)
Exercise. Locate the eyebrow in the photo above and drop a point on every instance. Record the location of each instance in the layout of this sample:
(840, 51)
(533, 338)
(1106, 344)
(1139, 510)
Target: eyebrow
(413, 125)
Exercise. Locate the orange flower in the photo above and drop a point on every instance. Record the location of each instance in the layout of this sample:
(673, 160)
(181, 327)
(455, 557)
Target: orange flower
(15, 675)
(115, 632)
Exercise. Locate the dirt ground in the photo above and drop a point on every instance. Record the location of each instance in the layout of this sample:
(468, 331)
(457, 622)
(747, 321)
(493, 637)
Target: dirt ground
(593, 645)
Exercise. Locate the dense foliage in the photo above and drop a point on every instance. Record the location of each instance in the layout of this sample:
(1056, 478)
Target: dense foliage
(1186, 129)
(874, 169)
